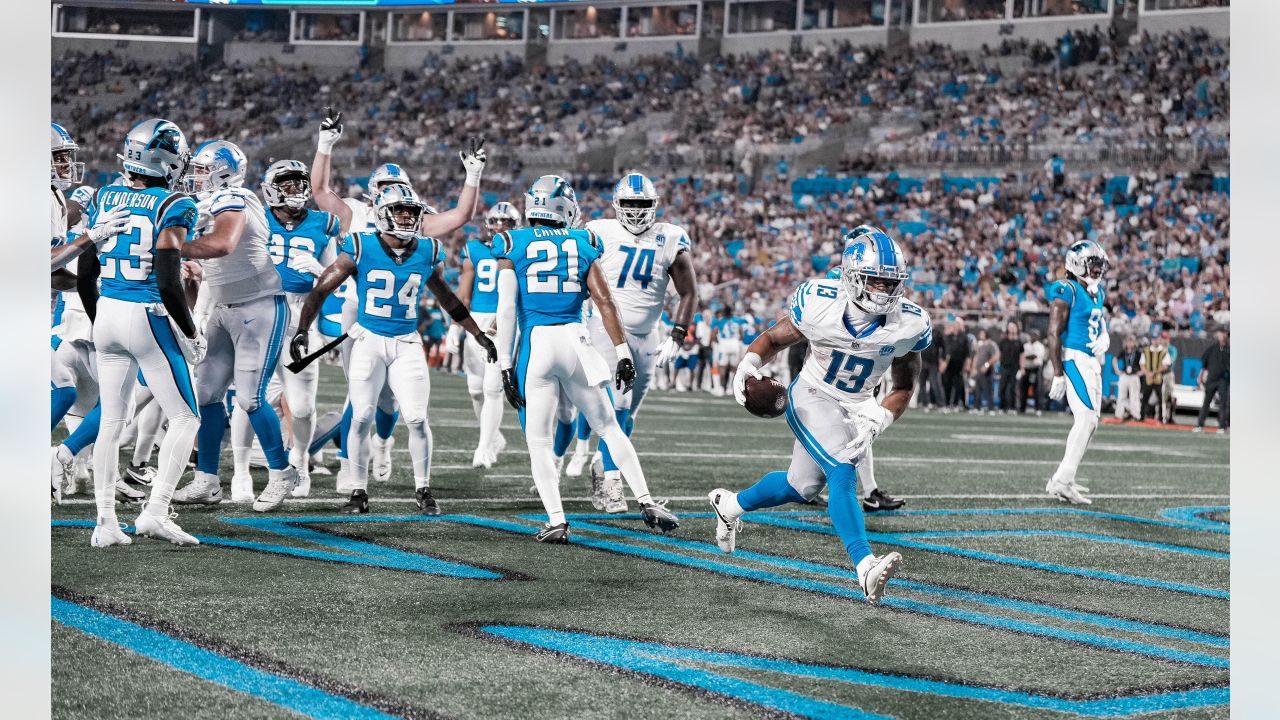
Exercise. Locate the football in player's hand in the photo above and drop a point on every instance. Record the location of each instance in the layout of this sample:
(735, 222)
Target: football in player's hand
(766, 397)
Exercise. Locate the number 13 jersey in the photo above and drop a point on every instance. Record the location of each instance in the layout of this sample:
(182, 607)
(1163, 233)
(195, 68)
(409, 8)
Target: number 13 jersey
(636, 267)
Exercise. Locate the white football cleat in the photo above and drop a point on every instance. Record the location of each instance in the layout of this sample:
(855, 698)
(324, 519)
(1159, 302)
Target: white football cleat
(303, 488)
(499, 443)
(127, 493)
(381, 460)
(726, 529)
(242, 488)
(614, 499)
(279, 486)
(108, 535)
(874, 580)
(577, 463)
(599, 496)
(163, 528)
(62, 468)
(204, 489)
(1066, 492)
(482, 458)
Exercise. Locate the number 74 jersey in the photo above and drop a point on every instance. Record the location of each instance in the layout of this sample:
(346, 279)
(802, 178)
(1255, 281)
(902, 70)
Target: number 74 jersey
(636, 267)
(844, 362)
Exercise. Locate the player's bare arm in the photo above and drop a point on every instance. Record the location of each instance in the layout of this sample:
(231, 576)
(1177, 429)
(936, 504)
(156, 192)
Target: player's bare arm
(192, 276)
(1058, 311)
(441, 224)
(780, 336)
(221, 240)
(334, 275)
(451, 304)
(598, 287)
(322, 171)
(904, 373)
(686, 282)
(466, 282)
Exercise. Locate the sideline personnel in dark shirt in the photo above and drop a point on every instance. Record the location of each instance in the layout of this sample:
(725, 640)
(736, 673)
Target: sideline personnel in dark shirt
(1215, 378)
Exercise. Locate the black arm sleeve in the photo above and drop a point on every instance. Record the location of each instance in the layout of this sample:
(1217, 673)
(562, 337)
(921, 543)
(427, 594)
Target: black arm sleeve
(169, 280)
(87, 270)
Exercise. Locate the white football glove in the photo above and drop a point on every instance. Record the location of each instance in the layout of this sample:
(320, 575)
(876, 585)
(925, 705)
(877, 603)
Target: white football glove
(1058, 388)
(869, 418)
(204, 218)
(1101, 345)
(108, 226)
(330, 131)
(306, 264)
(750, 366)
(453, 339)
(667, 352)
(473, 160)
(193, 349)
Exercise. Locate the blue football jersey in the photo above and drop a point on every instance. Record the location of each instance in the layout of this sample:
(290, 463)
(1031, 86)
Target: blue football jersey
(127, 260)
(1085, 321)
(551, 271)
(387, 290)
(311, 236)
(484, 289)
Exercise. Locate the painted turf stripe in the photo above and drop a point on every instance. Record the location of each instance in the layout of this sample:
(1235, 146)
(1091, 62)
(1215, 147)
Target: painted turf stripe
(1194, 517)
(1172, 521)
(210, 666)
(663, 661)
(1026, 606)
(924, 608)
(1067, 534)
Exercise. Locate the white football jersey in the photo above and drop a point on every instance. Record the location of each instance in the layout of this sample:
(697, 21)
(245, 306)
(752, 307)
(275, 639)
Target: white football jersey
(58, 234)
(248, 272)
(361, 216)
(636, 267)
(847, 364)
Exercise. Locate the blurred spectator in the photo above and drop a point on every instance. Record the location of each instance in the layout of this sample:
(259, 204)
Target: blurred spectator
(1010, 367)
(1215, 380)
(985, 355)
(1033, 355)
(1127, 364)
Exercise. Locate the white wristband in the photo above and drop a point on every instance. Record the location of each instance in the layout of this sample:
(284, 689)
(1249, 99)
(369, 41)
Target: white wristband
(325, 145)
(623, 351)
(472, 180)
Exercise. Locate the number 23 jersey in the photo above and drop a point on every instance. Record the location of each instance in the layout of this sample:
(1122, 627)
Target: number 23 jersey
(387, 286)
(843, 362)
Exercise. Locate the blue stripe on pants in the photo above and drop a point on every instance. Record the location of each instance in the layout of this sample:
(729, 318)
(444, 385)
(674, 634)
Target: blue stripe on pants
(162, 331)
(1077, 382)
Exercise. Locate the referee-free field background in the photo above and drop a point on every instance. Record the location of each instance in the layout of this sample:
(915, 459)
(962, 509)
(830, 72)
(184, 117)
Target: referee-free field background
(1010, 605)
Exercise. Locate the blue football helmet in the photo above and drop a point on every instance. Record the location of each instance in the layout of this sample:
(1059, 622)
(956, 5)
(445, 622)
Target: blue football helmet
(635, 203)
(65, 170)
(156, 148)
(551, 199)
(873, 269)
(290, 171)
(388, 200)
(216, 164)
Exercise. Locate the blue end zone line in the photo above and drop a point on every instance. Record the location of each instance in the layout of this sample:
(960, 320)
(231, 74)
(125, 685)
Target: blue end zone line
(1067, 534)
(1179, 523)
(210, 666)
(662, 661)
(1026, 606)
(1192, 517)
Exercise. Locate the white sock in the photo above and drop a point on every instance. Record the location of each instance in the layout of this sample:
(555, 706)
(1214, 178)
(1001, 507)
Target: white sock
(624, 454)
(864, 565)
(174, 452)
(729, 506)
(241, 441)
(866, 474)
(420, 453)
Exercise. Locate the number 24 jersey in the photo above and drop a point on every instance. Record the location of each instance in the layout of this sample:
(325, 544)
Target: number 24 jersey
(388, 286)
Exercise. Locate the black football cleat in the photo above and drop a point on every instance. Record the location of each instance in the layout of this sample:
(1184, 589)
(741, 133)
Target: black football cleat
(557, 534)
(878, 501)
(359, 503)
(658, 516)
(426, 503)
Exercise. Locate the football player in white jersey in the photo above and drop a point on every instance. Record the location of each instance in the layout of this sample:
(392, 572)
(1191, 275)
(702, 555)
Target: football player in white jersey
(641, 256)
(858, 329)
(248, 316)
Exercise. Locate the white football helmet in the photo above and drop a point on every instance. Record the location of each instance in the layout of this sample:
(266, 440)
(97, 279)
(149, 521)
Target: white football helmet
(287, 171)
(501, 212)
(386, 174)
(873, 270)
(394, 196)
(156, 148)
(551, 199)
(65, 171)
(1088, 262)
(216, 164)
(635, 203)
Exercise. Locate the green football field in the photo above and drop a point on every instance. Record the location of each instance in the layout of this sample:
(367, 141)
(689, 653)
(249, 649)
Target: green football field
(1010, 604)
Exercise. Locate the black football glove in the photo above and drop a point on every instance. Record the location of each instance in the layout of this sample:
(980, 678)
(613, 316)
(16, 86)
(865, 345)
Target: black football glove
(490, 350)
(332, 120)
(511, 386)
(625, 375)
(298, 347)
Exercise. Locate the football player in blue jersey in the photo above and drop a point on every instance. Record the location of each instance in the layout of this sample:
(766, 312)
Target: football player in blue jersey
(1077, 346)
(142, 301)
(389, 267)
(726, 339)
(858, 328)
(478, 290)
(545, 273)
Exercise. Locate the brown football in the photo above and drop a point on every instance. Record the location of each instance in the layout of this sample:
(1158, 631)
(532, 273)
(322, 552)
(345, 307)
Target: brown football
(766, 397)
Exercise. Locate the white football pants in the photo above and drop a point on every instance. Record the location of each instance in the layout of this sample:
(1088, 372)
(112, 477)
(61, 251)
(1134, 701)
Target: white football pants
(1084, 397)
(376, 364)
(484, 384)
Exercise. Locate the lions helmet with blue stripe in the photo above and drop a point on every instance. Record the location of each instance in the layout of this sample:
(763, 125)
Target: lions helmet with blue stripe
(156, 148)
(873, 270)
(550, 200)
(503, 212)
(635, 202)
(82, 196)
(287, 183)
(216, 164)
(387, 201)
(386, 174)
(1088, 261)
(65, 170)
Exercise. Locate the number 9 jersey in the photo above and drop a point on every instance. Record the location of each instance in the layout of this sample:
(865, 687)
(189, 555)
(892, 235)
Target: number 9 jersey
(1085, 315)
(127, 259)
(843, 362)
(484, 289)
(388, 285)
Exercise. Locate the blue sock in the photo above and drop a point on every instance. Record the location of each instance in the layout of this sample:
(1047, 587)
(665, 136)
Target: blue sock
(771, 491)
(86, 433)
(846, 511)
(60, 401)
(624, 419)
(266, 425)
(385, 422)
(564, 436)
(584, 427)
(322, 439)
(344, 427)
(213, 425)
(630, 424)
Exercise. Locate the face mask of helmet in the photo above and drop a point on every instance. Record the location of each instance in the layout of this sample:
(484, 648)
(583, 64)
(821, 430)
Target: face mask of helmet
(290, 189)
(65, 171)
(873, 293)
(636, 214)
(400, 220)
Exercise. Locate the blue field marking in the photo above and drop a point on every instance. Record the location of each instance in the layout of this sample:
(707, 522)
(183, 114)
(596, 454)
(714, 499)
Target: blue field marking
(1194, 516)
(1173, 522)
(285, 692)
(1185, 549)
(851, 591)
(1026, 606)
(669, 663)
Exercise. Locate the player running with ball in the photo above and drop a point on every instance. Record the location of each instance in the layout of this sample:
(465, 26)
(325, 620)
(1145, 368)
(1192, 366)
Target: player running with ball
(858, 328)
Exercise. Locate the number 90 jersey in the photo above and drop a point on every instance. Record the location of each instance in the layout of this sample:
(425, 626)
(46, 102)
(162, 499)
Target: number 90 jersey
(551, 271)
(127, 260)
(484, 289)
(311, 236)
(387, 287)
(636, 267)
(845, 363)
(1085, 320)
